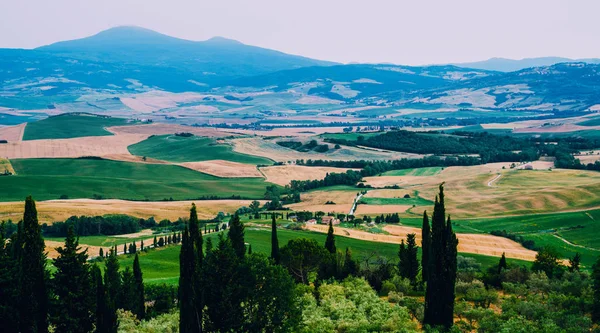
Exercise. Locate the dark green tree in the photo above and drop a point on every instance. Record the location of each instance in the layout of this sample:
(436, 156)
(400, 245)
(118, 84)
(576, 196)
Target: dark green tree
(409, 264)
(191, 293)
(142, 245)
(106, 315)
(154, 243)
(351, 267)
(8, 284)
(209, 245)
(138, 307)
(72, 307)
(236, 235)
(112, 282)
(32, 274)
(596, 288)
(439, 295)
(547, 260)
(425, 247)
(127, 296)
(575, 262)
(101, 253)
(330, 240)
(125, 248)
(302, 257)
(274, 241)
(502, 264)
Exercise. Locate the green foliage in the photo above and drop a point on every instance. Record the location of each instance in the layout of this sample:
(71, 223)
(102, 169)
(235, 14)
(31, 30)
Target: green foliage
(191, 149)
(439, 296)
(70, 126)
(547, 260)
(302, 257)
(32, 275)
(330, 240)
(167, 323)
(408, 265)
(596, 278)
(352, 306)
(85, 178)
(274, 241)
(106, 315)
(138, 303)
(426, 247)
(8, 282)
(72, 308)
(236, 235)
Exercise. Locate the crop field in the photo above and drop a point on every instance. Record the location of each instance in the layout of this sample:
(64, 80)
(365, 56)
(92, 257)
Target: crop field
(5, 166)
(315, 201)
(162, 265)
(490, 190)
(191, 149)
(59, 210)
(221, 168)
(395, 201)
(48, 179)
(270, 149)
(349, 136)
(284, 174)
(12, 133)
(418, 172)
(70, 126)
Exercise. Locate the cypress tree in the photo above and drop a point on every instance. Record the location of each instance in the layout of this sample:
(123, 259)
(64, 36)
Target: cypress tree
(191, 300)
(73, 306)
(154, 243)
(249, 249)
(502, 264)
(403, 260)
(575, 262)
(209, 245)
(127, 296)
(330, 241)
(596, 288)
(142, 245)
(425, 247)
(139, 307)
(236, 236)
(106, 316)
(101, 253)
(274, 241)
(439, 295)
(412, 263)
(112, 282)
(32, 274)
(125, 248)
(8, 286)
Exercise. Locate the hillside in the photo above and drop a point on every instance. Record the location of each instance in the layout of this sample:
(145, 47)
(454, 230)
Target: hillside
(512, 65)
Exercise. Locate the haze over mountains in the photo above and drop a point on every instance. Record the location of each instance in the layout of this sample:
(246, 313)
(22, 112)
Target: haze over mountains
(133, 59)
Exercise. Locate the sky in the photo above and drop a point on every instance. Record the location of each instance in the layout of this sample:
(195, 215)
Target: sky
(395, 31)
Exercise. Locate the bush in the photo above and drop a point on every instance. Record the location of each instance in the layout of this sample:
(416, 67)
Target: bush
(395, 297)
(386, 288)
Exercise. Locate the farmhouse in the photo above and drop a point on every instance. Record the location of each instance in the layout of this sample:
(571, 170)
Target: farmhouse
(327, 219)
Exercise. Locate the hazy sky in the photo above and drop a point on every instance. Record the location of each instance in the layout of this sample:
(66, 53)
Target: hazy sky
(397, 31)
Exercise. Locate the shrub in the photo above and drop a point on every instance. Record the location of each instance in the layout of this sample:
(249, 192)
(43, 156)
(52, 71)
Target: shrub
(386, 288)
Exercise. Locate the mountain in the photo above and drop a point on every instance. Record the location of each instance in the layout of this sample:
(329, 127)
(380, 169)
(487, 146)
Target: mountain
(511, 65)
(133, 58)
(218, 55)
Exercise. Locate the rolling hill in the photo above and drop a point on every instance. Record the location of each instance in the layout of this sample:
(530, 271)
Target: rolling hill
(512, 65)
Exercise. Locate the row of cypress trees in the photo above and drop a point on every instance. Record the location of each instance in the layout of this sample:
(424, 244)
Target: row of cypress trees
(31, 300)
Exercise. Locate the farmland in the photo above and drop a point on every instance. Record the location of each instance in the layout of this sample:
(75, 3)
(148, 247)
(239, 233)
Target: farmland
(70, 126)
(162, 265)
(48, 179)
(175, 148)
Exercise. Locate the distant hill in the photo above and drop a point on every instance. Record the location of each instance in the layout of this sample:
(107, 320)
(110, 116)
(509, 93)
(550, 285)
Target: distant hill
(114, 57)
(511, 65)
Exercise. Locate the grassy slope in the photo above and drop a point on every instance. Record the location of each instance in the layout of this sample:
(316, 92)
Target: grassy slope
(190, 149)
(395, 201)
(162, 265)
(47, 179)
(578, 228)
(432, 171)
(70, 126)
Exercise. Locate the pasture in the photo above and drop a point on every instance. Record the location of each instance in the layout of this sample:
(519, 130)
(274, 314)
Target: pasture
(418, 172)
(70, 126)
(284, 174)
(162, 265)
(48, 179)
(175, 148)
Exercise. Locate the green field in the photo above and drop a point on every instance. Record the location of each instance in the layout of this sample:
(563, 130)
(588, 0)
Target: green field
(578, 228)
(595, 121)
(422, 172)
(191, 149)
(353, 136)
(395, 201)
(48, 179)
(162, 265)
(70, 126)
